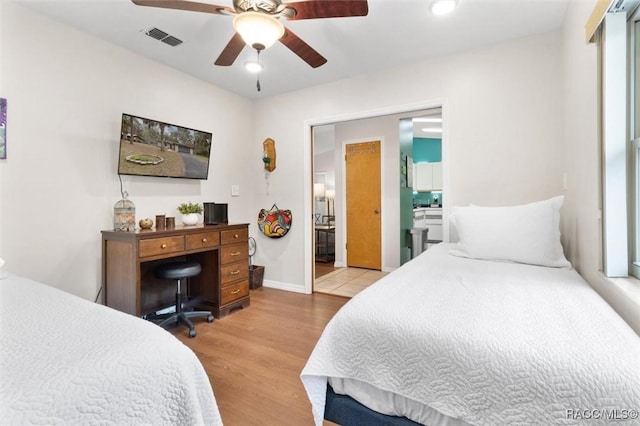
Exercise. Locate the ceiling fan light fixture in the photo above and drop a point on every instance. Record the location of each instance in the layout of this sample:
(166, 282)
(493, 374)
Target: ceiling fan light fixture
(257, 29)
(442, 7)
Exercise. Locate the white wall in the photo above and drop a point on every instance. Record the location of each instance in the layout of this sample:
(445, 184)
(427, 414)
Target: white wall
(324, 172)
(324, 163)
(66, 92)
(505, 121)
(581, 226)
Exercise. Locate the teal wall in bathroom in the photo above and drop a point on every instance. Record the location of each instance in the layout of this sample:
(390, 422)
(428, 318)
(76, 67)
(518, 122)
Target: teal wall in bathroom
(426, 198)
(427, 150)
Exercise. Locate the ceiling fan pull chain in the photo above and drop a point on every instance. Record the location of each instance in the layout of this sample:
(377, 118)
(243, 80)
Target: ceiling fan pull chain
(258, 82)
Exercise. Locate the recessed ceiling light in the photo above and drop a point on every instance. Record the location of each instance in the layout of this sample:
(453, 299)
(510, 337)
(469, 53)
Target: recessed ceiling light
(432, 129)
(253, 66)
(442, 7)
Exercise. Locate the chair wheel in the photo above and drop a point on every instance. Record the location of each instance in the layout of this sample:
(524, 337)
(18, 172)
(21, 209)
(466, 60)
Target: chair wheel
(210, 318)
(192, 333)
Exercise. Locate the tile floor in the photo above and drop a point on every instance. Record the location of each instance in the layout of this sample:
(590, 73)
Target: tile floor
(347, 281)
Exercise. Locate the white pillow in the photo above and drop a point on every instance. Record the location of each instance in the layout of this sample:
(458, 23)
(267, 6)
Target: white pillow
(528, 233)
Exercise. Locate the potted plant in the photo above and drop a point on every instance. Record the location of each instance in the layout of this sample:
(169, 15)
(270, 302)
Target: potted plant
(190, 212)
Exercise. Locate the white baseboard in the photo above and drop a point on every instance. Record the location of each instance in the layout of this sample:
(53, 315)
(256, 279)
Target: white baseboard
(284, 286)
(384, 268)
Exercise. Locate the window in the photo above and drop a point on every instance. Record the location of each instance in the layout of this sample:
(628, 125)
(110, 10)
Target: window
(614, 121)
(619, 42)
(621, 234)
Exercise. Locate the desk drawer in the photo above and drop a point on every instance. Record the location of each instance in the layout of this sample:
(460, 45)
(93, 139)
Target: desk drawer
(234, 292)
(234, 272)
(203, 240)
(234, 236)
(234, 253)
(156, 246)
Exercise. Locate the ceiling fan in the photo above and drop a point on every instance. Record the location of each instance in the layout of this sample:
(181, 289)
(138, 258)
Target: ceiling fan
(257, 22)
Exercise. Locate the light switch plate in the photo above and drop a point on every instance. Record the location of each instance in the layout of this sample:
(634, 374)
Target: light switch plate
(235, 190)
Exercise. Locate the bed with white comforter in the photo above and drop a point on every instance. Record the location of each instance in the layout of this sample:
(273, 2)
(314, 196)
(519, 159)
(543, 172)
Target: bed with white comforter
(452, 340)
(67, 361)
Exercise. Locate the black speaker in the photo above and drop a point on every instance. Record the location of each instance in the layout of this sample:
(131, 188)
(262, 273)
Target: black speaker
(215, 214)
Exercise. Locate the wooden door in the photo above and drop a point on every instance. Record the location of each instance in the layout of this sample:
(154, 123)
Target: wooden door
(363, 205)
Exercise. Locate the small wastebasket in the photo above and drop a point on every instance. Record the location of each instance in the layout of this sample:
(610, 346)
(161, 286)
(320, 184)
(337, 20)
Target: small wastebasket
(418, 239)
(256, 275)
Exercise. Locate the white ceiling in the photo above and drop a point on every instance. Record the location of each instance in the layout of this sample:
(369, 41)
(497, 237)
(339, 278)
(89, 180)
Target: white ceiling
(396, 32)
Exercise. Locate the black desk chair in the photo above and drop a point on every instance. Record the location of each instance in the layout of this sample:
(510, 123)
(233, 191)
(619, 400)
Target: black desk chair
(178, 271)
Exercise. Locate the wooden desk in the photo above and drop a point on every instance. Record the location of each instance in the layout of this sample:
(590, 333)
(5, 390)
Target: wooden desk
(130, 258)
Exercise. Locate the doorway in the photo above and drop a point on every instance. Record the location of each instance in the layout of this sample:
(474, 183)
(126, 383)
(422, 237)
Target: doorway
(381, 123)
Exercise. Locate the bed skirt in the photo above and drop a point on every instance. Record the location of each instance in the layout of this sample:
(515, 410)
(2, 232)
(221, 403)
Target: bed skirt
(346, 411)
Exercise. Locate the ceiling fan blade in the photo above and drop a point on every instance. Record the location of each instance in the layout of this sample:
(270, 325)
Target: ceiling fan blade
(302, 49)
(191, 6)
(231, 51)
(314, 9)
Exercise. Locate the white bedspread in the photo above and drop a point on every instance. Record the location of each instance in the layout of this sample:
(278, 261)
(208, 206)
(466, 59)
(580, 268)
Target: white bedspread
(67, 361)
(487, 342)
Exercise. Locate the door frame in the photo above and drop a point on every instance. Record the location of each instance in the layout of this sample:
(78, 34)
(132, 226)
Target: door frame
(343, 184)
(307, 148)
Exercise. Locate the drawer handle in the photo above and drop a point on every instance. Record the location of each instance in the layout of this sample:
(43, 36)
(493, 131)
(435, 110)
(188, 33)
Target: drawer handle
(204, 240)
(235, 253)
(236, 272)
(236, 291)
(163, 246)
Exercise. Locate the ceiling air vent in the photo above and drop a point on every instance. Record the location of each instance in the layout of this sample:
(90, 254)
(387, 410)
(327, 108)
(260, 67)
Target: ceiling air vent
(171, 41)
(164, 37)
(156, 33)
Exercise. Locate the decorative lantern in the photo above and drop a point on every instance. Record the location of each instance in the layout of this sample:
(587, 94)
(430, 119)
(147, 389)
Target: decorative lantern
(124, 215)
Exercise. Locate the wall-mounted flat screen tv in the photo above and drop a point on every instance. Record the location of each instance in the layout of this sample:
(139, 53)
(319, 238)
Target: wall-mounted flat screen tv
(153, 148)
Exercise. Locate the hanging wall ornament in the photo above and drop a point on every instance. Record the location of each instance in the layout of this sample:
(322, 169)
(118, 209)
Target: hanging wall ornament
(269, 159)
(274, 222)
(269, 154)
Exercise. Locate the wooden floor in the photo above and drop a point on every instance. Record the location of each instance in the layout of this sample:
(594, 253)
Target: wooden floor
(254, 356)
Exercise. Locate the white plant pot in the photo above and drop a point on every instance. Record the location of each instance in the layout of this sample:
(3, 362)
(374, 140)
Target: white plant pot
(190, 219)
